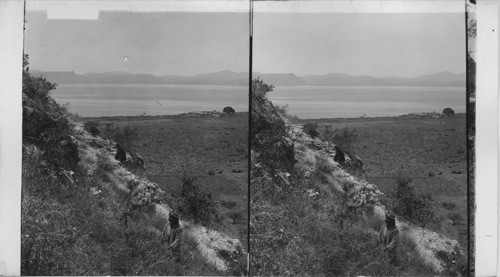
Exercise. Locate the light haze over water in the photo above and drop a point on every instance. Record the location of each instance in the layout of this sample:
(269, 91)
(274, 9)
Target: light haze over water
(93, 100)
(303, 101)
(370, 101)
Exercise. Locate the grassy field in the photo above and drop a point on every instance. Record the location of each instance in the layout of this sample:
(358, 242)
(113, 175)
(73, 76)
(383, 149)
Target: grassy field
(432, 151)
(214, 149)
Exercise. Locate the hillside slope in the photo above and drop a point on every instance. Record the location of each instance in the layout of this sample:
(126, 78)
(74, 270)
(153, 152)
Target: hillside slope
(121, 196)
(85, 213)
(428, 243)
(309, 216)
(217, 249)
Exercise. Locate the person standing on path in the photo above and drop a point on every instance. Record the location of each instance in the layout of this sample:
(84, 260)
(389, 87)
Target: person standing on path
(172, 235)
(389, 235)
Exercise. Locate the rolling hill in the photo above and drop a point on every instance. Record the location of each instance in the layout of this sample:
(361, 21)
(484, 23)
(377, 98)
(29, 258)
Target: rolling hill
(226, 77)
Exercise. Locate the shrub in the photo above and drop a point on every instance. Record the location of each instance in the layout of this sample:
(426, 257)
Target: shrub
(45, 123)
(269, 133)
(199, 205)
(448, 111)
(310, 128)
(345, 138)
(415, 207)
(109, 131)
(125, 136)
(228, 110)
(92, 127)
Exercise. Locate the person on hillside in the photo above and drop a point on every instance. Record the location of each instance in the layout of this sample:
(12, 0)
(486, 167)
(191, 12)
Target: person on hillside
(339, 155)
(172, 235)
(389, 235)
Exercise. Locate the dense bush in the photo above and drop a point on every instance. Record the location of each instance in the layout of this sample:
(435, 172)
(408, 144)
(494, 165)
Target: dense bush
(199, 205)
(448, 111)
(92, 127)
(125, 136)
(415, 207)
(45, 123)
(311, 129)
(344, 138)
(228, 110)
(269, 133)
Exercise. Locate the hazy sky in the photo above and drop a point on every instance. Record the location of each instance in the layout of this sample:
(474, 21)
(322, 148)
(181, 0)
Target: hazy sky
(193, 43)
(157, 43)
(361, 44)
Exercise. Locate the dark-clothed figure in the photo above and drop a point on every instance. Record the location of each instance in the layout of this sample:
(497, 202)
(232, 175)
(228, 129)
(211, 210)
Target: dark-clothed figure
(172, 235)
(339, 155)
(121, 155)
(389, 235)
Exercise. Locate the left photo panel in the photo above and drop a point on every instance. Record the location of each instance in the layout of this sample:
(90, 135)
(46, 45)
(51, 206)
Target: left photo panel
(135, 138)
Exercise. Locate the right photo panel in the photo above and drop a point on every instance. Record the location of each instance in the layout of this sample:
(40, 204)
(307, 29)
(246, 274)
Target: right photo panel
(359, 157)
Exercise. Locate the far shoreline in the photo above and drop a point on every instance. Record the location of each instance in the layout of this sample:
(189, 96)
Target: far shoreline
(166, 116)
(424, 115)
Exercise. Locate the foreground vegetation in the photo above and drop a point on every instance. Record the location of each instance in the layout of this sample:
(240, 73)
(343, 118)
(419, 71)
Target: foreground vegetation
(211, 153)
(292, 233)
(301, 223)
(430, 152)
(74, 219)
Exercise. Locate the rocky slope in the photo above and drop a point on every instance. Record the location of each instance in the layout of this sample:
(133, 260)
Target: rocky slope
(216, 248)
(435, 249)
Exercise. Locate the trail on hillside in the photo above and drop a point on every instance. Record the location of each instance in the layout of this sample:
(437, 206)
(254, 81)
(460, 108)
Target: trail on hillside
(428, 243)
(216, 248)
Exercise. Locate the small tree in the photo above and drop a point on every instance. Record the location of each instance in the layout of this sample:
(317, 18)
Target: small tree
(415, 207)
(228, 110)
(126, 136)
(92, 127)
(448, 112)
(345, 138)
(196, 203)
(311, 129)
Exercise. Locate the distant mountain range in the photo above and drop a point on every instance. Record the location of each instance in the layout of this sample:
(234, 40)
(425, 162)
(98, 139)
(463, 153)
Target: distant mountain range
(227, 77)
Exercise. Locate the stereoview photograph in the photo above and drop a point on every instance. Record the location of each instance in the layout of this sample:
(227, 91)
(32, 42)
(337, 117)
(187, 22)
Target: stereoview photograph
(135, 144)
(358, 139)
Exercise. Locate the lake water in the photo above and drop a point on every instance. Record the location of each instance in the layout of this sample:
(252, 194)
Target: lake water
(132, 100)
(303, 101)
(356, 101)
